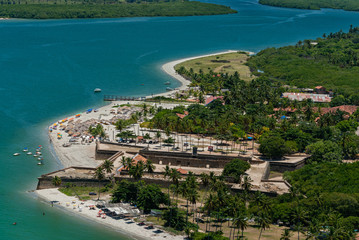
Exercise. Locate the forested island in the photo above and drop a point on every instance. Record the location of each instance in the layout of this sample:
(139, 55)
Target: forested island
(349, 5)
(60, 9)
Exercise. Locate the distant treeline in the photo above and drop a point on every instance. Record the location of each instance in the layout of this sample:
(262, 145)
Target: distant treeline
(349, 5)
(331, 61)
(52, 9)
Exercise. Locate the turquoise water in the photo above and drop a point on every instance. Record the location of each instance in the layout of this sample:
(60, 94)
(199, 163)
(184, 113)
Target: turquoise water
(49, 69)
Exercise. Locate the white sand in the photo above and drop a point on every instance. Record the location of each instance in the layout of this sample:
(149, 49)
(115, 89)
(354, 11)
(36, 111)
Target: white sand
(132, 229)
(170, 70)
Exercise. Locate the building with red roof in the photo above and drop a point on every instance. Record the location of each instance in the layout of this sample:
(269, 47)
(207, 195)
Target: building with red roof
(210, 99)
(138, 158)
(182, 171)
(350, 109)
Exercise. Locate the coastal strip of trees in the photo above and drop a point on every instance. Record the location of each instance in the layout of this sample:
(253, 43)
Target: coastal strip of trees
(349, 5)
(83, 9)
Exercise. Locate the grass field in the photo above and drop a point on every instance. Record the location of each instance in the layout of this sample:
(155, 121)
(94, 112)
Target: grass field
(223, 63)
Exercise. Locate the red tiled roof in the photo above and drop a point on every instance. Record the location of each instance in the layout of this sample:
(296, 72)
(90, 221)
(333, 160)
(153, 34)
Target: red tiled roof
(138, 158)
(344, 108)
(212, 98)
(319, 87)
(180, 115)
(181, 171)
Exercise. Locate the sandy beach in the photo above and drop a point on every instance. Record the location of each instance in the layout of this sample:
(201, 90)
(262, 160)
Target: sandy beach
(83, 154)
(128, 227)
(169, 68)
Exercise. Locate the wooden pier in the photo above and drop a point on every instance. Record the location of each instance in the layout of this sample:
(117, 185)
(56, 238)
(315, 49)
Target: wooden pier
(121, 98)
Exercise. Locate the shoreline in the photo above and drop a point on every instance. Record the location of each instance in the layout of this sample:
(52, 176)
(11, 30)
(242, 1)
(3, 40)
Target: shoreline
(59, 200)
(76, 156)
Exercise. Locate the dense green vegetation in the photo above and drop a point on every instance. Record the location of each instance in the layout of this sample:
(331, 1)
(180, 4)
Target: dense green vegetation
(323, 194)
(331, 61)
(349, 5)
(145, 196)
(106, 9)
(326, 177)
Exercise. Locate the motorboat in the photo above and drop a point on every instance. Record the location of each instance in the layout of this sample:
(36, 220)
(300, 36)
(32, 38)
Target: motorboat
(40, 163)
(16, 154)
(167, 83)
(169, 89)
(29, 153)
(96, 90)
(25, 149)
(40, 158)
(35, 155)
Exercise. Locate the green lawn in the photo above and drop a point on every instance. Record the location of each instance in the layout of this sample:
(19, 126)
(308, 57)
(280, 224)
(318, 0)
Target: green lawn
(222, 63)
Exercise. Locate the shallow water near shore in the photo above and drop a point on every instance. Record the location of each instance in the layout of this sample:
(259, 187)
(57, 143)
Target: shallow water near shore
(49, 69)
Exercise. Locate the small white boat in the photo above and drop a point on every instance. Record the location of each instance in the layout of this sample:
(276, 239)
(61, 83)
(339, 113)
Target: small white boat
(40, 158)
(16, 154)
(35, 155)
(38, 153)
(29, 153)
(40, 163)
(169, 89)
(97, 90)
(167, 83)
(25, 149)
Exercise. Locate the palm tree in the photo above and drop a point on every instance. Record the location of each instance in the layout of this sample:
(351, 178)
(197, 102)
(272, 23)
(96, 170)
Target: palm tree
(124, 161)
(99, 175)
(107, 166)
(184, 191)
(150, 166)
(56, 181)
(263, 222)
(137, 170)
(205, 182)
(313, 229)
(158, 136)
(167, 171)
(121, 124)
(175, 177)
(300, 215)
(210, 206)
(165, 175)
(129, 162)
(286, 234)
(246, 184)
(240, 222)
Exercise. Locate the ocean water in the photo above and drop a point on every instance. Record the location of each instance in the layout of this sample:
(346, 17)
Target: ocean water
(48, 69)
